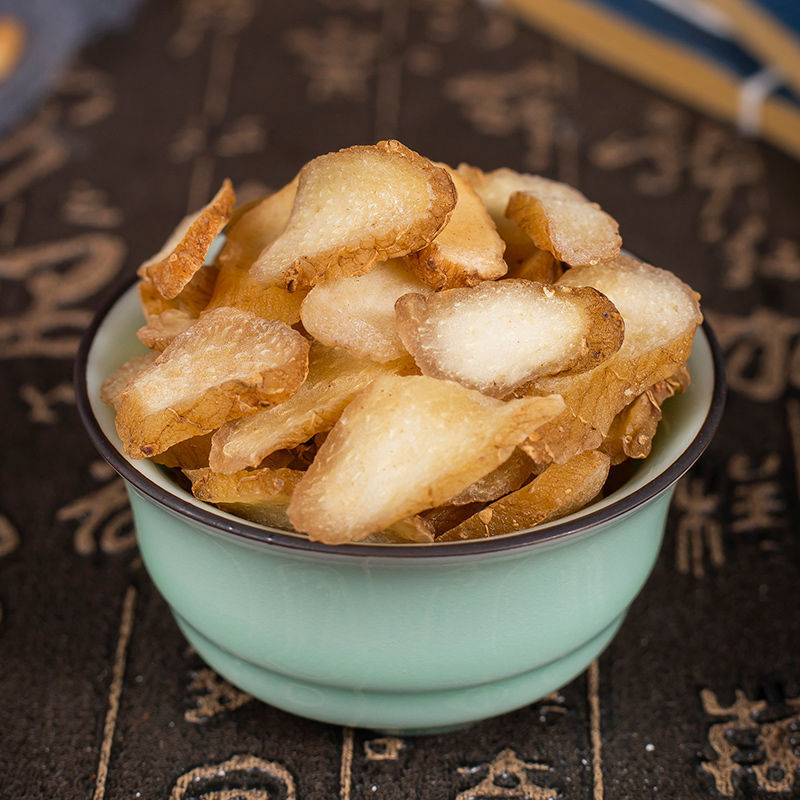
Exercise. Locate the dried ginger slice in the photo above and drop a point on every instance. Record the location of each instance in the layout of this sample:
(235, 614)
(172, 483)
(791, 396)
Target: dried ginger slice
(494, 189)
(357, 314)
(188, 454)
(334, 378)
(661, 314)
(354, 208)
(162, 328)
(632, 431)
(114, 385)
(403, 445)
(467, 250)
(560, 490)
(498, 335)
(508, 477)
(228, 364)
(259, 495)
(540, 266)
(193, 298)
(562, 221)
(173, 266)
(254, 231)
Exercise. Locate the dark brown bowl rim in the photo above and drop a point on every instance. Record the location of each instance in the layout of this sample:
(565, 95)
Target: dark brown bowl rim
(241, 529)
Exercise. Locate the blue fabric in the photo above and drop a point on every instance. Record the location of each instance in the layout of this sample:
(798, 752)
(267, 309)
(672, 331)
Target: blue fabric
(55, 30)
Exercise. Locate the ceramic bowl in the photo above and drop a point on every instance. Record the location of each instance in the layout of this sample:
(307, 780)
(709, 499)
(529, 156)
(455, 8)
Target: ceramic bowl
(401, 638)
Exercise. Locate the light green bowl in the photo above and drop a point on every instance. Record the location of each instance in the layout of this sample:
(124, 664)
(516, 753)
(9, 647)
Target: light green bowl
(401, 638)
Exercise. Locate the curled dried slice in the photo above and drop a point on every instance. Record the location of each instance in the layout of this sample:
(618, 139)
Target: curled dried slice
(498, 335)
(508, 477)
(162, 328)
(354, 208)
(562, 221)
(255, 230)
(188, 454)
(661, 314)
(334, 378)
(414, 529)
(632, 431)
(185, 251)
(357, 314)
(193, 298)
(560, 490)
(114, 385)
(228, 364)
(403, 445)
(259, 495)
(494, 189)
(540, 266)
(467, 250)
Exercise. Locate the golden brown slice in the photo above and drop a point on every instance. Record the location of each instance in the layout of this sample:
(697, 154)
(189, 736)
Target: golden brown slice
(162, 328)
(403, 445)
(508, 477)
(334, 378)
(193, 298)
(467, 250)
(114, 385)
(354, 208)
(357, 314)
(255, 230)
(259, 495)
(412, 530)
(562, 221)
(632, 431)
(185, 251)
(540, 266)
(498, 335)
(494, 189)
(560, 490)
(228, 364)
(188, 454)
(661, 314)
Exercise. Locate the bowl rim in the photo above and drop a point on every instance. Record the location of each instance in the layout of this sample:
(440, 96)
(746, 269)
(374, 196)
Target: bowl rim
(254, 533)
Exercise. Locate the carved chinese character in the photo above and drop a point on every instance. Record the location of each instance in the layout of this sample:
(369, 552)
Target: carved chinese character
(9, 536)
(213, 695)
(699, 533)
(41, 403)
(507, 777)
(753, 740)
(243, 777)
(387, 748)
(200, 17)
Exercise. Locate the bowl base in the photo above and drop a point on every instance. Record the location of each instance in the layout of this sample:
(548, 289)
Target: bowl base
(403, 713)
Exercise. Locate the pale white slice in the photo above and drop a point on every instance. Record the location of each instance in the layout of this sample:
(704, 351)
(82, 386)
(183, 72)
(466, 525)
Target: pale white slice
(357, 314)
(498, 335)
(403, 445)
(661, 314)
(114, 385)
(467, 250)
(228, 364)
(334, 378)
(162, 328)
(354, 208)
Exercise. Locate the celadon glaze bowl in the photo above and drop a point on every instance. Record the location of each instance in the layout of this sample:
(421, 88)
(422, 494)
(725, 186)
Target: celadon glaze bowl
(401, 638)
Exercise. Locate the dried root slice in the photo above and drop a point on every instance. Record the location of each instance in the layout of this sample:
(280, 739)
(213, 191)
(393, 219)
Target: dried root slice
(228, 364)
(540, 266)
(357, 314)
(334, 378)
(661, 314)
(496, 336)
(494, 189)
(412, 530)
(194, 297)
(162, 328)
(560, 490)
(403, 445)
(508, 477)
(114, 385)
(632, 431)
(354, 208)
(188, 454)
(185, 251)
(253, 232)
(467, 250)
(260, 495)
(560, 439)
